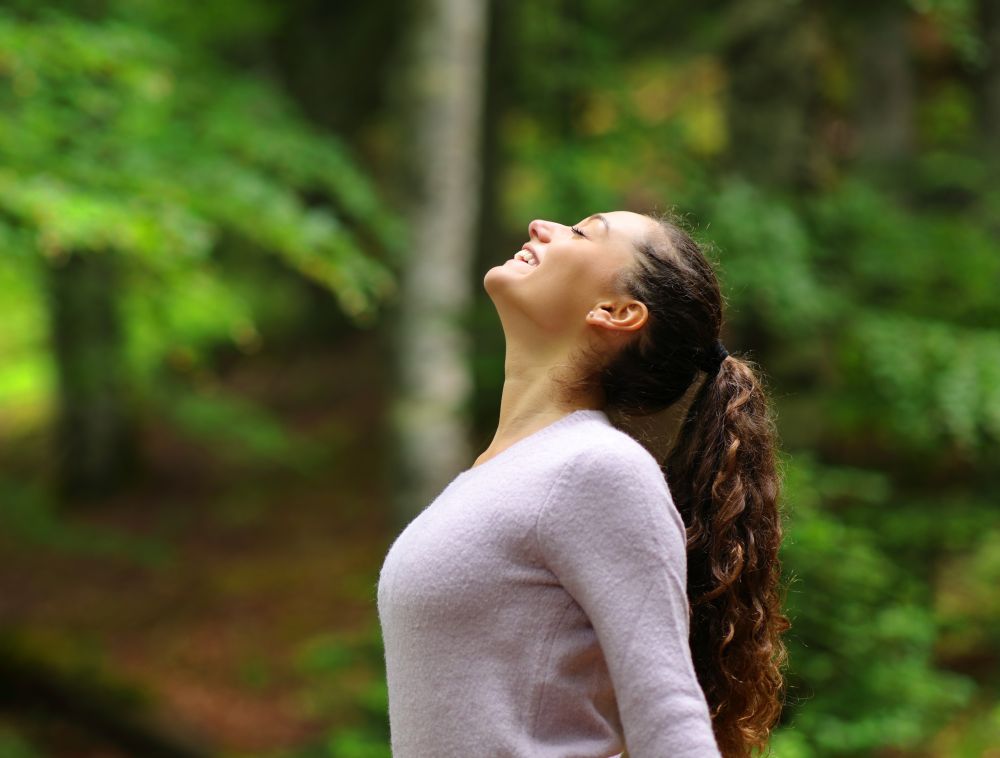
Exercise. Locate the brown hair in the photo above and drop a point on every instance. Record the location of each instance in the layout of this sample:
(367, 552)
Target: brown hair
(724, 477)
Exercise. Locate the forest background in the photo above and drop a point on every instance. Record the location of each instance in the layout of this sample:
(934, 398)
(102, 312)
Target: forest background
(243, 337)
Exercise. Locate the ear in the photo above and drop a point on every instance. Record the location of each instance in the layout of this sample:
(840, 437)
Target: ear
(619, 316)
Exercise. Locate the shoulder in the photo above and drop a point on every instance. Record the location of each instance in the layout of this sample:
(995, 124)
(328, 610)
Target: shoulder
(608, 496)
(602, 452)
(601, 465)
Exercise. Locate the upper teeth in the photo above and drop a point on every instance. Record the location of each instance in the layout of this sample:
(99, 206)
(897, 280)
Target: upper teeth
(527, 256)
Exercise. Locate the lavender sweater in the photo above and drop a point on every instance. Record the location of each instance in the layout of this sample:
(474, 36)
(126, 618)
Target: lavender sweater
(537, 608)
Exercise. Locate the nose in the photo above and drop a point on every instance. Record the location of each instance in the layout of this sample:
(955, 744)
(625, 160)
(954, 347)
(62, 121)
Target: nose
(543, 231)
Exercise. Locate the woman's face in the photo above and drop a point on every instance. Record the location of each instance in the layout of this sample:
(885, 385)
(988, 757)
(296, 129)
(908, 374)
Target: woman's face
(569, 274)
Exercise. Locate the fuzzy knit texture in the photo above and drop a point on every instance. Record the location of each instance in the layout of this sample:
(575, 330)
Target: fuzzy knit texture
(537, 608)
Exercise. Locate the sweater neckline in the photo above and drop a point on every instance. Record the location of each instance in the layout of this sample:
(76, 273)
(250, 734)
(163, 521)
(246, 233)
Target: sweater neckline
(570, 419)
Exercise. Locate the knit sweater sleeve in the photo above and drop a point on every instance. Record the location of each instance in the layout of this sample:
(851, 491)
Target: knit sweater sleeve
(611, 534)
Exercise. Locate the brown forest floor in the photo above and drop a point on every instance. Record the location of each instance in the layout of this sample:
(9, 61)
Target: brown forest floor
(259, 563)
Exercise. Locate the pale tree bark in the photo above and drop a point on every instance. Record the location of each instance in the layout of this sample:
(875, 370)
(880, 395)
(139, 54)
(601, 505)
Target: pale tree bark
(430, 416)
(886, 95)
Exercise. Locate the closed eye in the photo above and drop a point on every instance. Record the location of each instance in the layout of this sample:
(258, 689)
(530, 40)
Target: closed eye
(575, 230)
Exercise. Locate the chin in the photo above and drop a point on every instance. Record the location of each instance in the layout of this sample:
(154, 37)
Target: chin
(499, 277)
(501, 284)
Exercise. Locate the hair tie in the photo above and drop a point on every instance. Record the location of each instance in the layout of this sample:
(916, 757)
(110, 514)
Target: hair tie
(712, 358)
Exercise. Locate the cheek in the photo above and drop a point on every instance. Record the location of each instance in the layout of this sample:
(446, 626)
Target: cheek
(582, 279)
(562, 294)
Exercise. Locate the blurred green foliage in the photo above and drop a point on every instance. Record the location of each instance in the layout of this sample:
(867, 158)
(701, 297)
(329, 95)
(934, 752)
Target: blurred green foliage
(345, 675)
(134, 132)
(14, 745)
(127, 134)
(164, 134)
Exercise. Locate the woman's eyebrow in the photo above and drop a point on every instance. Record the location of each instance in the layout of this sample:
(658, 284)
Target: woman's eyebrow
(599, 217)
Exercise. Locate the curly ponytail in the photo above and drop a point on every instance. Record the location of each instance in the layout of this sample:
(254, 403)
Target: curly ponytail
(724, 479)
(723, 476)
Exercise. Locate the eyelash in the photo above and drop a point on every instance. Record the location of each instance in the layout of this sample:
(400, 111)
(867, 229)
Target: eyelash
(577, 231)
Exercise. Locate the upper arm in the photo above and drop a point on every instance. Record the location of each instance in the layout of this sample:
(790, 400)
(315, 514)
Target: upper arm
(611, 535)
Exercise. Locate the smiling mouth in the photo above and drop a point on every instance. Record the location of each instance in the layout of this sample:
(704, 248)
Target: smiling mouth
(526, 256)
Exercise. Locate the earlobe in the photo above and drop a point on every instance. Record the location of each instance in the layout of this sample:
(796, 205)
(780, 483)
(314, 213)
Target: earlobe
(598, 317)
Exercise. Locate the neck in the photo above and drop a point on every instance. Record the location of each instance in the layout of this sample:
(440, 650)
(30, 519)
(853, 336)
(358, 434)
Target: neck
(532, 396)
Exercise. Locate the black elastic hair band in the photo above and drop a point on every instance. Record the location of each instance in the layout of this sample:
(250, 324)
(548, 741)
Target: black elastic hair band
(712, 358)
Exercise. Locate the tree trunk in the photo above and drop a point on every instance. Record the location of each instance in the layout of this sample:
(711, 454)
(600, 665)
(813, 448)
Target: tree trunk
(886, 92)
(770, 58)
(430, 413)
(329, 64)
(989, 23)
(488, 349)
(93, 450)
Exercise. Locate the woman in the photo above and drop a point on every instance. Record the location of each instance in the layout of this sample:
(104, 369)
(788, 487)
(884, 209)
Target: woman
(558, 598)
